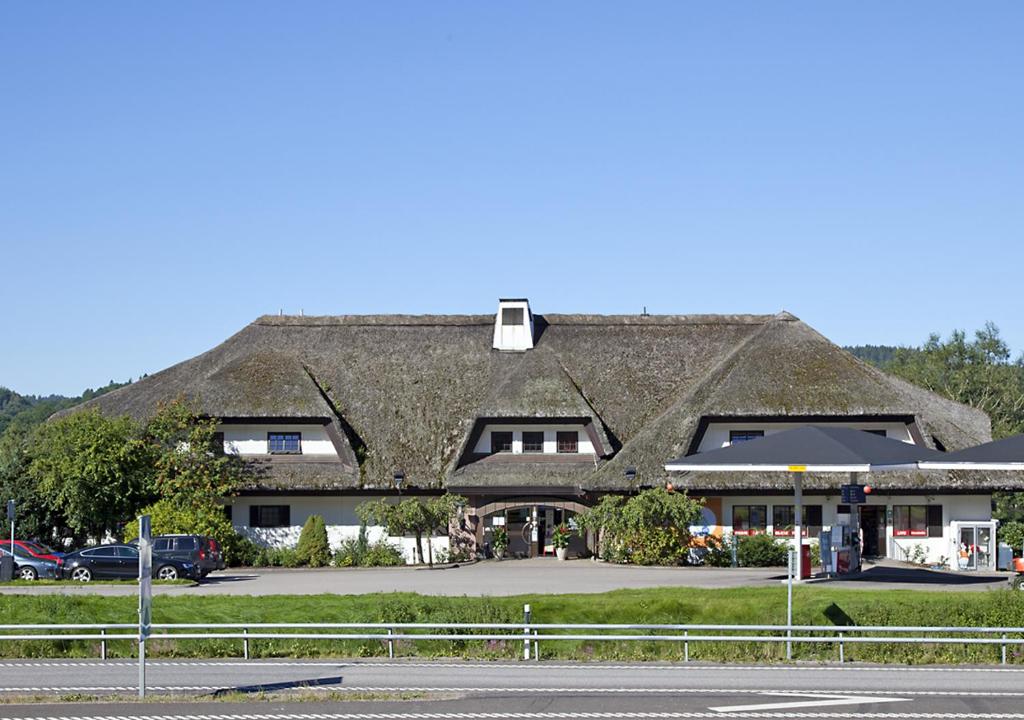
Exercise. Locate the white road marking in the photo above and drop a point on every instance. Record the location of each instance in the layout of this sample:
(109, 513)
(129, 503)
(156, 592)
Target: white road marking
(298, 684)
(820, 700)
(515, 715)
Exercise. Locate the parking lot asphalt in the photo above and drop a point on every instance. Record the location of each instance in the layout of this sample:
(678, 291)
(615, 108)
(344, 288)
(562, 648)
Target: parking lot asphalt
(516, 577)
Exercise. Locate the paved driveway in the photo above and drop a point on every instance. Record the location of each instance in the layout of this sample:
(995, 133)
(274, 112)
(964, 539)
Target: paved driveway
(511, 577)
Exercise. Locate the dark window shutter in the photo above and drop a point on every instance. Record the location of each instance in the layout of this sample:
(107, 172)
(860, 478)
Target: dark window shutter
(286, 515)
(254, 516)
(934, 521)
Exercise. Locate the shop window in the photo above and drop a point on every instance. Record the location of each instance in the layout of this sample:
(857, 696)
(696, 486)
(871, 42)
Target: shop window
(910, 520)
(783, 520)
(749, 519)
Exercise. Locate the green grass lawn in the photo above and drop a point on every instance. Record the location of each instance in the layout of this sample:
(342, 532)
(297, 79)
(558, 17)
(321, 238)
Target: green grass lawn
(762, 605)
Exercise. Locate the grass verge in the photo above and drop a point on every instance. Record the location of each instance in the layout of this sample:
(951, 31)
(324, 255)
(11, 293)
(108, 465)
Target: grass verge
(813, 605)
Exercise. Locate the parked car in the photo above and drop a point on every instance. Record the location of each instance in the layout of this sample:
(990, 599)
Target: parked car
(201, 551)
(37, 549)
(120, 561)
(28, 566)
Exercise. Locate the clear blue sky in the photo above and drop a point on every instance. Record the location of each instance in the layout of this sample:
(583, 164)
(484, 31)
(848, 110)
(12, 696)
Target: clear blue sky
(171, 171)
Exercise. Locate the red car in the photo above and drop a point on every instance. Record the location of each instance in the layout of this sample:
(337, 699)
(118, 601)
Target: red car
(36, 549)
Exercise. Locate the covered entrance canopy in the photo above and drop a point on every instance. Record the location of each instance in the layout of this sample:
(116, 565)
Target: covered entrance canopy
(1005, 454)
(812, 448)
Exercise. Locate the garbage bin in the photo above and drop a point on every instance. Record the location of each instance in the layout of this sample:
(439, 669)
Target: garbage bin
(1004, 557)
(6, 568)
(805, 561)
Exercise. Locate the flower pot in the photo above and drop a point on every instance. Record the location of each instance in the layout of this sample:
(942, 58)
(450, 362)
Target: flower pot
(499, 553)
(562, 553)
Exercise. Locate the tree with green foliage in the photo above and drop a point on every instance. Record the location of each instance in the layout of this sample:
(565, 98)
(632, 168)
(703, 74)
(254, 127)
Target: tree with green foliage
(412, 517)
(981, 373)
(314, 548)
(649, 528)
(92, 470)
(188, 466)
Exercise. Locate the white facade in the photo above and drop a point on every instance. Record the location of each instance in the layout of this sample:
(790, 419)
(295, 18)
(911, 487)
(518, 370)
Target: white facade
(252, 439)
(339, 514)
(513, 326)
(945, 549)
(583, 443)
(717, 433)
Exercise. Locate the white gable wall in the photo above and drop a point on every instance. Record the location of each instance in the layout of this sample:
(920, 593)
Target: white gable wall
(252, 439)
(584, 445)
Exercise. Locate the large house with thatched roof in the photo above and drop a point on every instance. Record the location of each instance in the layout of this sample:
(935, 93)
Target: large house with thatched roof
(533, 417)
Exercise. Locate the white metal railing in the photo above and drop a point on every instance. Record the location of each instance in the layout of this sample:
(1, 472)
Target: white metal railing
(529, 633)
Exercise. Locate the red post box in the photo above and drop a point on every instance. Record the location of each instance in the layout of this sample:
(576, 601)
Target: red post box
(805, 561)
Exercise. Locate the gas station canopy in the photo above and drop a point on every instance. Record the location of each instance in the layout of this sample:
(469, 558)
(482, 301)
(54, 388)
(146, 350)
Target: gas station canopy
(813, 449)
(1005, 454)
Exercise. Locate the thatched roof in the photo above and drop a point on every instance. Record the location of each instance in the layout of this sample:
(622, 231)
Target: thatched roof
(406, 391)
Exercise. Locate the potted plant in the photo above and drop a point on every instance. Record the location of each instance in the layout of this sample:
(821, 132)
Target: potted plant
(560, 539)
(499, 542)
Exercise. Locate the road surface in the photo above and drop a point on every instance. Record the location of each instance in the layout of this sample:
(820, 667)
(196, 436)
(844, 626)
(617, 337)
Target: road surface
(515, 690)
(518, 577)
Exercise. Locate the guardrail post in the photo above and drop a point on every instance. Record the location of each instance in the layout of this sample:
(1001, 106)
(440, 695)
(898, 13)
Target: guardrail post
(536, 647)
(841, 657)
(103, 644)
(1004, 649)
(790, 556)
(526, 632)
(391, 643)
(245, 643)
(686, 646)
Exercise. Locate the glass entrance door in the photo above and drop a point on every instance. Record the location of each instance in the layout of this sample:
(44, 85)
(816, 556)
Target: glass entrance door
(967, 552)
(983, 556)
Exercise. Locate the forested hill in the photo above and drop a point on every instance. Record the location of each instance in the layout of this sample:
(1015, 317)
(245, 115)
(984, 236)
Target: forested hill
(878, 355)
(34, 409)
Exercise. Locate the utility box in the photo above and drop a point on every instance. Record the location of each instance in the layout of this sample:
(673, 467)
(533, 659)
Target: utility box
(1004, 557)
(6, 568)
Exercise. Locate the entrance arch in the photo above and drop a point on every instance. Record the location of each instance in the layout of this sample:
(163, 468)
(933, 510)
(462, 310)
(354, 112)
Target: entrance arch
(529, 522)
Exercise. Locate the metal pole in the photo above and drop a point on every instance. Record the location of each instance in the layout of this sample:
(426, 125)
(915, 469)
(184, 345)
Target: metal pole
(735, 546)
(103, 645)
(841, 657)
(1004, 649)
(245, 644)
(536, 647)
(142, 666)
(526, 632)
(798, 531)
(789, 604)
(686, 646)
(391, 643)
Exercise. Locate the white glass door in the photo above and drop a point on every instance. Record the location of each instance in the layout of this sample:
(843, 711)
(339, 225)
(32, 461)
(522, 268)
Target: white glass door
(967, 556)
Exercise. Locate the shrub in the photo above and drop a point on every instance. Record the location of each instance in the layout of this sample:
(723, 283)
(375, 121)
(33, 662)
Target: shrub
(168, 516)
(561, 536)
(277, 557)
(718, 551)
(313, 549)
(649, 528)
(762, 551)
(360, 552)
(499, 538)
(1012, 533)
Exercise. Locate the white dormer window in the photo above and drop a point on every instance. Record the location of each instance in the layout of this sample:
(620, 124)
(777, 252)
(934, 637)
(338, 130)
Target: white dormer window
(513, 325)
